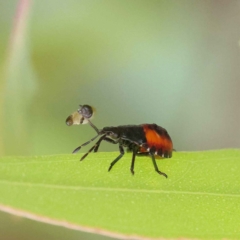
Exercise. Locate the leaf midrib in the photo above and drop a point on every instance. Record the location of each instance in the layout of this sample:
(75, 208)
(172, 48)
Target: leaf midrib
(77, 188)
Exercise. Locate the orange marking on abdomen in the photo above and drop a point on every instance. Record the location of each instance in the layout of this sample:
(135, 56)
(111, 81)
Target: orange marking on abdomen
(154, 139)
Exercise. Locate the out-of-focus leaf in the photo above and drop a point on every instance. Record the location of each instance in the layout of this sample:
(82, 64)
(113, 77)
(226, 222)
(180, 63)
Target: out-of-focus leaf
(19, 85)
(200, 199)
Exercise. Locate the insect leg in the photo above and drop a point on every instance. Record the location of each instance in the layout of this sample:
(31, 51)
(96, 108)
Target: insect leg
(156, 167)
(120, 156)
(133, 161)
(106, 139)
(84, 144)
(110, 140)
(92, 148)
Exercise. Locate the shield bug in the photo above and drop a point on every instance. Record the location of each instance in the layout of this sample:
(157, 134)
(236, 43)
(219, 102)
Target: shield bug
(142, 140)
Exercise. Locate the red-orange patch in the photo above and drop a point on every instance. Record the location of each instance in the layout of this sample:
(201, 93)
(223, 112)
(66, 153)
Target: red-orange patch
(154, 139)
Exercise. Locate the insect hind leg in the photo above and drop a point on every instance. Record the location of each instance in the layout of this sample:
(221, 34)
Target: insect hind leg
(156, 167)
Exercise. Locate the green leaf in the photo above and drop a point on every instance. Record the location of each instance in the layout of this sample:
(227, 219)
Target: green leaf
(200, 198)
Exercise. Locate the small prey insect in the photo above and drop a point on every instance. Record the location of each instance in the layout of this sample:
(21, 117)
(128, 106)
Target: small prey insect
(142, 140)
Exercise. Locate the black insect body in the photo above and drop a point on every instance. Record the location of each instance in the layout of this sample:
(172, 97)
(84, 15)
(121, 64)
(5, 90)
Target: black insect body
(144, 139)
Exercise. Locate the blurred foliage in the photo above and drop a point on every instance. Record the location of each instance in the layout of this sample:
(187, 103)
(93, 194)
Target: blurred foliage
(14, 227)
(174, 63)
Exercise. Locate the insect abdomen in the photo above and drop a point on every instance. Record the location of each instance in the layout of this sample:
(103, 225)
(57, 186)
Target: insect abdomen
(158, 139)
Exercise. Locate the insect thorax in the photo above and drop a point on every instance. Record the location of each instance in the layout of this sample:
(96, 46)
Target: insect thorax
(128, 133)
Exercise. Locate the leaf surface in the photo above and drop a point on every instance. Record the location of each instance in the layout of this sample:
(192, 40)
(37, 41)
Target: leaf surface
(200, 198)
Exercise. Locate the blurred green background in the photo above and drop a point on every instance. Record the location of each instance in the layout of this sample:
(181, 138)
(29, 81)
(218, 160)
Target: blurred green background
(173, 63)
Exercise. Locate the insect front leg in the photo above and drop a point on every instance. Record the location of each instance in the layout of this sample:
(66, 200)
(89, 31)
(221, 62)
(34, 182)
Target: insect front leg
(84, 144)
(105, 139)
(119, 157)
(92, 148)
